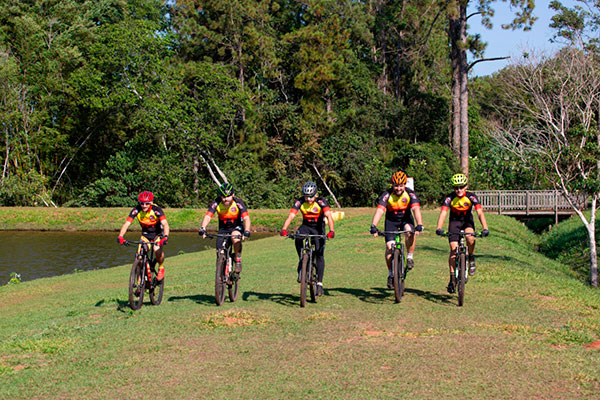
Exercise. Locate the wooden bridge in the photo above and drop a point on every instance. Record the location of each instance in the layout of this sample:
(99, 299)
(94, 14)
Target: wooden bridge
(527, 202)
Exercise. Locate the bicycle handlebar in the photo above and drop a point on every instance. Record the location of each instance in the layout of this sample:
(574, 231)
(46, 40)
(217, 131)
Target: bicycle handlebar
(447, 234)
(393, 232)
(140, 242)
(216, 235)
(305, 236)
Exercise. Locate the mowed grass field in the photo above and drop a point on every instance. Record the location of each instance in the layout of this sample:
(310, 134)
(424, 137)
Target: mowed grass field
(524, 332)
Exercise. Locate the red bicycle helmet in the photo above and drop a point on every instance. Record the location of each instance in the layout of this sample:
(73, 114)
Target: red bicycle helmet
(399, 178)
(145, 197)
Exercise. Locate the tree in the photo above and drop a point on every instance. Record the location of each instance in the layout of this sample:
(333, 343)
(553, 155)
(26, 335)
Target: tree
(460, 43)
(550, 121)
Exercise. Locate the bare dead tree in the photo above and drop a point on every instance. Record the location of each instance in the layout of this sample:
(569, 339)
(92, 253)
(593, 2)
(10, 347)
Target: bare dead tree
(550, 121)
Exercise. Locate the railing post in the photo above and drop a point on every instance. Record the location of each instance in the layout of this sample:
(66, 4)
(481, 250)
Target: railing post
(527, 202)
(556, 207)
(499, 204)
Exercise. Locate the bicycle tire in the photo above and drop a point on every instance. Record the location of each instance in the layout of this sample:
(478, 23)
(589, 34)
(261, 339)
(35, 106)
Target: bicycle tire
(137, 285)
(402, 271)
(396, 275)
(462, 270)
(156, 294)
(303, 280)
(219, 279)
(233, 290)
(313, 282)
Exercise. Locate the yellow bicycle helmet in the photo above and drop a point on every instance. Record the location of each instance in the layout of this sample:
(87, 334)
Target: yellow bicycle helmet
(459, 180)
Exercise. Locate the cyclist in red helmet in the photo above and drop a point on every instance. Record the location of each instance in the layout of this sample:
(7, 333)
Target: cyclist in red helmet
(154, 224)
(397, 204)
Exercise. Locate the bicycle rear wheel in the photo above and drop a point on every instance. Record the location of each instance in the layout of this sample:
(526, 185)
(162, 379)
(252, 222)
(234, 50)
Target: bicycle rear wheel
(313, 282)
(156, 293)
(137, 285)
(396, 278)
(303, 279)
(220, 279)
(462, 276)
(233, 290)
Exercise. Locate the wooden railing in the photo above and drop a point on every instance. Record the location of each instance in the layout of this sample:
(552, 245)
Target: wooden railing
(527, 202)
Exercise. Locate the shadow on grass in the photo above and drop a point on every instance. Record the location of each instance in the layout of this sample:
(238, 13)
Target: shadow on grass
(198, 298)
(430, 296)
(374, 296)
(378, 295)
(279, 298)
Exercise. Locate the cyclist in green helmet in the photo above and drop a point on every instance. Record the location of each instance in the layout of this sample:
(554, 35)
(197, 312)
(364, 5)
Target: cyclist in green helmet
(461, 203)
(233, 218)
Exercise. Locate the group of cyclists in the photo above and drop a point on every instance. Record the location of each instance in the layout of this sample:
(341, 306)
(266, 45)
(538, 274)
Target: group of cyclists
(399, 203)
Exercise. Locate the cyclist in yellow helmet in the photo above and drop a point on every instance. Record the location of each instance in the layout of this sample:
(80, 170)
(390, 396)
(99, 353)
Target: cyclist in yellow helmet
(461, 203)
(399, 203)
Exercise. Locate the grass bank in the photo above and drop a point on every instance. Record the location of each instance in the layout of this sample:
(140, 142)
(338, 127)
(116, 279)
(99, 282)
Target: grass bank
(111, 219)
(522, 333)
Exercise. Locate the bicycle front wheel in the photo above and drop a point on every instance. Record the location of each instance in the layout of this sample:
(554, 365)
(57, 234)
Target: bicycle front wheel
(462, 277)
(303, 279)
(220, 279)
(396, 278)
(137, 285)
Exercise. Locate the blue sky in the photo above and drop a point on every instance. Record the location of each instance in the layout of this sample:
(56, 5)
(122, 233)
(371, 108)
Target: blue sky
(502, 42)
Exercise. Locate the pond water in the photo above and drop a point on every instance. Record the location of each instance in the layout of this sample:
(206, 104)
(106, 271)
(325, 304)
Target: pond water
(35, 254)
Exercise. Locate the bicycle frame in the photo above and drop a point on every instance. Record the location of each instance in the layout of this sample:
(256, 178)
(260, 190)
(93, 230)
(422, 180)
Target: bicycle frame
(309, 278)
(145, 253)
(460, 262)
(224, 270)
(398, 263)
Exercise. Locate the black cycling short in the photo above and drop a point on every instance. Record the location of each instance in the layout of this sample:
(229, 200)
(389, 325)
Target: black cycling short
(398, 226)
(221, 240)
(457, 226)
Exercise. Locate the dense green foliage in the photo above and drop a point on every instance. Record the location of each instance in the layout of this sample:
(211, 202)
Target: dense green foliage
(103, 99)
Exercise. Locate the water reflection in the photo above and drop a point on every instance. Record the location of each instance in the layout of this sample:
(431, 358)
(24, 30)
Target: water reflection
(41, 254)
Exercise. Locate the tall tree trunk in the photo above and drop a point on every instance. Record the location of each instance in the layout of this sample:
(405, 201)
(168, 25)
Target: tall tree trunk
(453, 28)
(464, 93)
(593, 250)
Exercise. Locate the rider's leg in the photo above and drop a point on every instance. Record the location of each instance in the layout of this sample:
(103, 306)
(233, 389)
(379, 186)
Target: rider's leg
(236, 239)
(410, 245)
(160, 260)
(471, 246)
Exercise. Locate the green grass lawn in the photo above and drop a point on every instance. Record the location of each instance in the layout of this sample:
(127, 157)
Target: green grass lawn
(521, 334)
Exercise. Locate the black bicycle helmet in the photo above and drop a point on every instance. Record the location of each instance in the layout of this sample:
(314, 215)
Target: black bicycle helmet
(225, 189)
(309, 189)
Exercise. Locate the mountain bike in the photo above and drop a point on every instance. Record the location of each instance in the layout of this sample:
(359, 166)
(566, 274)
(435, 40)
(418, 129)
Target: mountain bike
(143, 276)
(398, 262)
(224, 268)
(308, 270)
(460, 263)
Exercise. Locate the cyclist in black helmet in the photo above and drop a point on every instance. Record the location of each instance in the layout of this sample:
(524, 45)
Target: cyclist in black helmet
(314, 209)
(233, 218)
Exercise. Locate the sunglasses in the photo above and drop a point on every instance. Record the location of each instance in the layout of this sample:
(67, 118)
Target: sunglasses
(459, 187)
(146, 203)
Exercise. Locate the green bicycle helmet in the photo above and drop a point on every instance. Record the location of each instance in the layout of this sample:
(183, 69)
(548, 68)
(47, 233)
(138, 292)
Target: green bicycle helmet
(225, 190)
(459, 180)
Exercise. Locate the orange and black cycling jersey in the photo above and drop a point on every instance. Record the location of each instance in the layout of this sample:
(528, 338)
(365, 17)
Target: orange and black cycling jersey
(396, 206)
(149, 221)
(312, 214)
(461, 208)
(229, 217)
